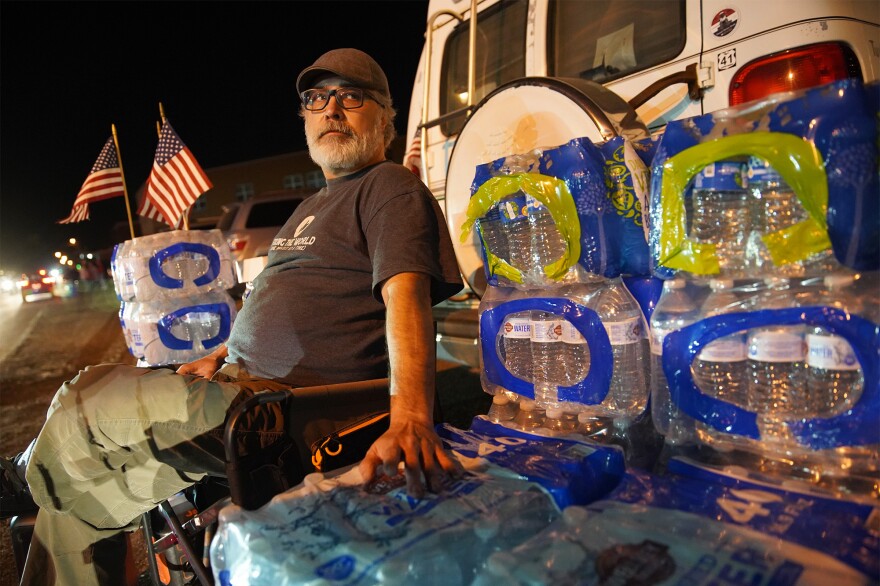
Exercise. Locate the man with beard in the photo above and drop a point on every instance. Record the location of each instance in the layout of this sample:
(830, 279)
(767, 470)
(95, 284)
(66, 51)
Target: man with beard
(346, 295)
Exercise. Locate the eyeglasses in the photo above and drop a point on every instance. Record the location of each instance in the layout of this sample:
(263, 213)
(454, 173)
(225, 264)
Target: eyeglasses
(348, 98)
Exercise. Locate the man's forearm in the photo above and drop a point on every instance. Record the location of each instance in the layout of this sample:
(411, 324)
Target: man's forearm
(409, 333)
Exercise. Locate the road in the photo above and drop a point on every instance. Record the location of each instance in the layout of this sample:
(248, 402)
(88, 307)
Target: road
(44, 343)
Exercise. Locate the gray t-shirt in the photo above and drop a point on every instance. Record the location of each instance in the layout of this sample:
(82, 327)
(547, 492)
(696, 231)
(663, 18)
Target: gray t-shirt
(315, 315)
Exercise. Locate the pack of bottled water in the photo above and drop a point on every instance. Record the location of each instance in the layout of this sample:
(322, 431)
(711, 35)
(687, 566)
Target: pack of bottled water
(564, 342)
(331, 529)
(765, 338)
(699, 527)
(172, 287)
(172, 264)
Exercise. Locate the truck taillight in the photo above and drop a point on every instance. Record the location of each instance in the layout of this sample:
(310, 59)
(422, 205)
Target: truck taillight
(795, 69)
(236, 244)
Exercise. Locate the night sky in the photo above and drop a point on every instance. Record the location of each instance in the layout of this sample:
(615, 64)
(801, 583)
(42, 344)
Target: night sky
(223, 71)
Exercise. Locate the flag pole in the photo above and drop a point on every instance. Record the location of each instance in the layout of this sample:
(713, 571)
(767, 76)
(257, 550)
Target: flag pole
(122, 174)
(159, 128)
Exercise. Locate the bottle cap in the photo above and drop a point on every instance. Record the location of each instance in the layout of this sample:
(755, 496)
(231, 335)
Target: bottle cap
(500, 400)
(554, 413)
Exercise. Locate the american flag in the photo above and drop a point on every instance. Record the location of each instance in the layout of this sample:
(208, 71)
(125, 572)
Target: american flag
(412, 160)
(104, 180)
(175, 182)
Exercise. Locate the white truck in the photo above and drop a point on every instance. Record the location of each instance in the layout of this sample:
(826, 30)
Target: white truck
(500, 77)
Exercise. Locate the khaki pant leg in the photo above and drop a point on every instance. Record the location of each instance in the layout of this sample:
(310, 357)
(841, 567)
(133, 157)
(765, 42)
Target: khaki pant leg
(101, 459)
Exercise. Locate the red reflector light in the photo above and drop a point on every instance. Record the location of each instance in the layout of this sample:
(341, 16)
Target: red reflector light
(795, 69)
(237, 244)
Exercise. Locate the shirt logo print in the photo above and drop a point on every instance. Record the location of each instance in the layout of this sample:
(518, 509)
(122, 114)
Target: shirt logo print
(303, 225)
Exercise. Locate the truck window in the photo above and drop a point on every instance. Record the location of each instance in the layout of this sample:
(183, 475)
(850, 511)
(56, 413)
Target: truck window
(501, 48)
(602, 40)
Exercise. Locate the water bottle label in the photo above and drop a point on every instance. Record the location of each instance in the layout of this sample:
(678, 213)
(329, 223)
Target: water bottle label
(830, 353)
(728, 349)
(517, 328)
(571, 335)
(513, 208)
(722, 176)
(545, 332)
(776, 347)
(628, 331)
(657, 337)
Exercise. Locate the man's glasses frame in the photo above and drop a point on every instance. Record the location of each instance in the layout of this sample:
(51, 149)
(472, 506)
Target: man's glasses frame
(348, 98)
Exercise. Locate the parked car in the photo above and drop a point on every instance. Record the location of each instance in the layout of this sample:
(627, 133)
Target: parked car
(36, 287)
(250, 226)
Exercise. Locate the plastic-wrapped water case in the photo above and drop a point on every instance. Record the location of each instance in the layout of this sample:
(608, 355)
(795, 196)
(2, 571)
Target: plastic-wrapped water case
(332, 529)
(588, 347)
(702, 531)
(163, 333)
(543, 212)
(781, 376)
(821, 142)
(571, 470)
(172, 264)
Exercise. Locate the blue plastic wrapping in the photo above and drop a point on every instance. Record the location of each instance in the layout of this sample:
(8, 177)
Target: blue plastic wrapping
(857, 426)
(609, 185)
(592, 389)
(844, 530)
(822, 141)
(571, 471)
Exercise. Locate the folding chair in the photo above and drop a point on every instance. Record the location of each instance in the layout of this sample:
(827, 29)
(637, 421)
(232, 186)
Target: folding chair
(318, 420)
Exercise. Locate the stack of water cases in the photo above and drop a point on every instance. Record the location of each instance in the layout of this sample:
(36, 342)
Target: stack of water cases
(564, 339)
(172, 286)
(764, 225)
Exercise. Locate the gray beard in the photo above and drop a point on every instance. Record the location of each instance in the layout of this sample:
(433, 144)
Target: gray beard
(346, 155)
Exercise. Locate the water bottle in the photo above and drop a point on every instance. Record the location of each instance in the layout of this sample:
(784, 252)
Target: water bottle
(720, 213)
(492, 298)
(720, 368)
(675, 309)
(514, 216)
(834, 376)
(493, 233)
(529, 416)
(516, 340)
(776, 207)
(548, 356)
(435, 566)
(623, 322)
(547, 245)
(776, 389)
(502, 409)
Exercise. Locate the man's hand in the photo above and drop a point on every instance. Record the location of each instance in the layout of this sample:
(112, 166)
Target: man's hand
(411, 438)
(205, 367)
(418, 446)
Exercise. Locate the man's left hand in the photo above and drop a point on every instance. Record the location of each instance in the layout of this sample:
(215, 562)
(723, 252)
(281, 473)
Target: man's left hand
(419, 448)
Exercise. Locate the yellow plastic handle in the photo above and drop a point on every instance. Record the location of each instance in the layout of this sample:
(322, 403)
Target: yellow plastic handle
(797, 161)
(553, 194)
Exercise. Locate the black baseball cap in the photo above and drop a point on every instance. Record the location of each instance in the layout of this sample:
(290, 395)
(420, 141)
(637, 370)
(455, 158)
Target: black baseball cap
(352, 65)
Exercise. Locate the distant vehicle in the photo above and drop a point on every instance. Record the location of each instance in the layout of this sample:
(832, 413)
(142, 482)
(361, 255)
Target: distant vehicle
(250, 226)
(36, 287)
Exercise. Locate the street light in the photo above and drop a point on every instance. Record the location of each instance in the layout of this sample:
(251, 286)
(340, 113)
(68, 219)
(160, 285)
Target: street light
(72, 241)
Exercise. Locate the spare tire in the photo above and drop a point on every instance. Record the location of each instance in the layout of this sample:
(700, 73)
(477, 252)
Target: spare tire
(517, 117)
